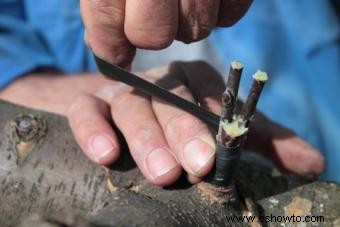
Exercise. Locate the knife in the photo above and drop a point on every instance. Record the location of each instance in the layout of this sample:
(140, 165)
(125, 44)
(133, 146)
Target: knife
(116, 73)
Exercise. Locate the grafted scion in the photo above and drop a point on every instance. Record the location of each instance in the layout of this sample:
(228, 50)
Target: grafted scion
(229, 97)
(233, 126)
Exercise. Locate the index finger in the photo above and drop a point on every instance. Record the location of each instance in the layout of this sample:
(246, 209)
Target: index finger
(104, 24)
(151, 24)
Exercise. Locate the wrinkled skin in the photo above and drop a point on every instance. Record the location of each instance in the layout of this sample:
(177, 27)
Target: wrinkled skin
(114, 29)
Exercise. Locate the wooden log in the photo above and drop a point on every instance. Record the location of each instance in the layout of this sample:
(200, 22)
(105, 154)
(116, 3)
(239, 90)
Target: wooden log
(53, 176)
(47, 174)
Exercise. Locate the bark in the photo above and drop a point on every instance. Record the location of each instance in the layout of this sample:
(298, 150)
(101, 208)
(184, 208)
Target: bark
(249, 106)
(229, 96)
(54, 177)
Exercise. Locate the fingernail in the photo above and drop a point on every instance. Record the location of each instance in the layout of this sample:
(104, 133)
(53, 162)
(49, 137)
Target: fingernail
(197, 154)
(100, 147)
(160, 162)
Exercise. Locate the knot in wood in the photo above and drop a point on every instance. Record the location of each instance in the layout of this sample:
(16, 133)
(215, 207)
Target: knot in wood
(228, 99)
(28, 127)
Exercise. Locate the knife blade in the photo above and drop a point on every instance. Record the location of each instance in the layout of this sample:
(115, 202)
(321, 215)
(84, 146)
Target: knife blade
(116, 73)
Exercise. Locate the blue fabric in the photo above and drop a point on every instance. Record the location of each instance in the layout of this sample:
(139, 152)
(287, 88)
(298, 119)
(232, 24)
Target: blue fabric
(298, 44)
(40, 33)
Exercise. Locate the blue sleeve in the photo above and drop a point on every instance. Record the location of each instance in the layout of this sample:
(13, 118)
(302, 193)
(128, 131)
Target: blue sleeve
(40, 33)
(21, 49)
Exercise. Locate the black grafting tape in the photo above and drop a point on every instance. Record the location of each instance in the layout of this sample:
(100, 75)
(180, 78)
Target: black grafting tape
(227, 160)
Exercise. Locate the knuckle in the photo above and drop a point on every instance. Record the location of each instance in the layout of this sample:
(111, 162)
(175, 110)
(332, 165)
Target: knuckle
(94, 122)
(142, 132)
(155, 37)
(199, 32)
(90, 123)
(88, 118)
(77, 104)
(197, 20)
(107, 12)
(119, 99)
(183, 126)
(143, 139)
(194, 32)
(109, 92)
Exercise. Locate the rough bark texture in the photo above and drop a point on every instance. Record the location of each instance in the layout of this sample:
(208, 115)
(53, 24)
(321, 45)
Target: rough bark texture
(54, 176)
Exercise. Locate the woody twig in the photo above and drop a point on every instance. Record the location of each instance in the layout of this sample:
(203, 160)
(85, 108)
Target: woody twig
(233, 126)
(229, 97)
(249, 107)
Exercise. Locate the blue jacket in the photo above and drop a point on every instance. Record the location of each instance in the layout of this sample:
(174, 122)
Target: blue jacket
(41, 33)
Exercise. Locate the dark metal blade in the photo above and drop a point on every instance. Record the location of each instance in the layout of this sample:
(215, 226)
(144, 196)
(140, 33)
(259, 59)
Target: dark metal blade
(119, 74)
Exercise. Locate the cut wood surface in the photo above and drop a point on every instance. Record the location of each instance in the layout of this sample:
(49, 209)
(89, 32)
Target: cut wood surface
(45, 178)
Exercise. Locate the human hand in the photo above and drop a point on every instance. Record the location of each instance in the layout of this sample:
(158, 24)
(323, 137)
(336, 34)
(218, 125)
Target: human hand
(164, 140)
(113, 29)
(156, 132)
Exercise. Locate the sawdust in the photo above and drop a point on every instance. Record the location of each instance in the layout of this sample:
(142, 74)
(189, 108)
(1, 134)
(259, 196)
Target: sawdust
(299, 207)
(213, 194)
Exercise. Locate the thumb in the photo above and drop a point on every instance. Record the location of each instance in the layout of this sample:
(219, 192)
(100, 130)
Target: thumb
(104, 31)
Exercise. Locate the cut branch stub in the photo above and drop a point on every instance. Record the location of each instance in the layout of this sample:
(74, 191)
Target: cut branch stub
(26, 131)
(249, 107)
(229, 97)
(28, 127)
